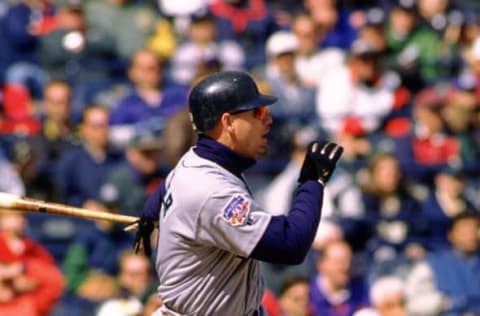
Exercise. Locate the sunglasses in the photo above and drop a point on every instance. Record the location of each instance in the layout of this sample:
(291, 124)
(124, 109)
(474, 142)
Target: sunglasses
(259, 112)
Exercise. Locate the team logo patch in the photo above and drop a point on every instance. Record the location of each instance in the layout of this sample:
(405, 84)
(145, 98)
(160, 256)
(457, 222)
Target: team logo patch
(236, 211)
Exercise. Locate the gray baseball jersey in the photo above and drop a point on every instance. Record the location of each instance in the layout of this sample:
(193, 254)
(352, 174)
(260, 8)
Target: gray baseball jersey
(208, 226)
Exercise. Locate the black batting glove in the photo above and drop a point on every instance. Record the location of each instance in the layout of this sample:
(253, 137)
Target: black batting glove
(320, 161)
(143, 235)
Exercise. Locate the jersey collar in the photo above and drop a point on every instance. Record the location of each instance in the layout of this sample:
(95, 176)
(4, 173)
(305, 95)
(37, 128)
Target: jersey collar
(214, 151)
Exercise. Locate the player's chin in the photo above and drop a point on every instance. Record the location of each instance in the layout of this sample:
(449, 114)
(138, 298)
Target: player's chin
(262, 151)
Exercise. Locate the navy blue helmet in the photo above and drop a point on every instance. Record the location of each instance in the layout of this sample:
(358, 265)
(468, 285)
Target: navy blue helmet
(222, 92)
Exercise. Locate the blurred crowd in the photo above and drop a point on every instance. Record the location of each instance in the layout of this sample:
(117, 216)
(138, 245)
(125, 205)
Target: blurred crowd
(93, 113)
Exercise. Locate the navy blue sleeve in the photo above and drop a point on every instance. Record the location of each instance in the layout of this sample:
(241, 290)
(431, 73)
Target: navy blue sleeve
(288, 239)
(151, 209)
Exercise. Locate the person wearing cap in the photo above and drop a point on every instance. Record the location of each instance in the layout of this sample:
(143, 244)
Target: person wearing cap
(212, 232)
(296, 101)
(358, 89)
(141, 173)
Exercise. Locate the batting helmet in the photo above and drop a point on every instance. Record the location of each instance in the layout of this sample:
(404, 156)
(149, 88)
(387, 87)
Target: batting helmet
(223, 92)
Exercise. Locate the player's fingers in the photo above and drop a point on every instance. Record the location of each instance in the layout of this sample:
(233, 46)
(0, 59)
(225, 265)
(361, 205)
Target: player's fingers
(316, 147)
(313, 147)
(327, 149)
(335, 152)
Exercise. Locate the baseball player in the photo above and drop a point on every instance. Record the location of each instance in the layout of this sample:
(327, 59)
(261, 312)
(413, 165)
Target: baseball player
(212, 233)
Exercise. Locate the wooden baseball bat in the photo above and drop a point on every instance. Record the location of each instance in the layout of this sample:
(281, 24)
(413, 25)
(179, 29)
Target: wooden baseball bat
(25, 204)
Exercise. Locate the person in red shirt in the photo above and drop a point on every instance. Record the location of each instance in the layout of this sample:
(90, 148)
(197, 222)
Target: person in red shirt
(30, 282)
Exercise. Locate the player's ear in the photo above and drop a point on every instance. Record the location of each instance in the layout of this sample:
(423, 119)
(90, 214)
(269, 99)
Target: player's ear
(226, 121)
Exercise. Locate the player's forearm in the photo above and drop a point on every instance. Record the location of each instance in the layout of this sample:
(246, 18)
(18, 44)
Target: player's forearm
(288, 239)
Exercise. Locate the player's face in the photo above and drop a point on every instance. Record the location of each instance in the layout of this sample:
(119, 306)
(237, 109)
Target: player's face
(251, 128)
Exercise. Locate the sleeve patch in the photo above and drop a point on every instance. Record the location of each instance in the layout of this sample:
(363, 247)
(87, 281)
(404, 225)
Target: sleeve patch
(236, 211)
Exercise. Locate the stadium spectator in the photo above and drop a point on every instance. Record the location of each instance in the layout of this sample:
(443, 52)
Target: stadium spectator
(296, 102)
(78, 53)
(150, 95)
(20, 30)
(435, 14)
(179, 13)
(24, 163)
(140, 174)
(136, 284)
(133, 25)
(333, 291)
(425, 147)
(82, 170)
(444, 201)
(414, 50)
(372, 29)
(446, 282)
(392, 215)
(387, 296)
(92, 260)
(249, 23)
(56, 136)
(293, 299)
(332, 23)
(73, 41)
(30, 282)
(460, 121)
(312, 63)
(201, 49)
(358, 89)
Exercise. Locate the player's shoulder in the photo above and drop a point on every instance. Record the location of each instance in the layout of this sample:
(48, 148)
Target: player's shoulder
(201, 175)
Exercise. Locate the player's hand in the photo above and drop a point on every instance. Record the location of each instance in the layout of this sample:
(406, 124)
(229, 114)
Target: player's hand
(320, 161)
(142, 238)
